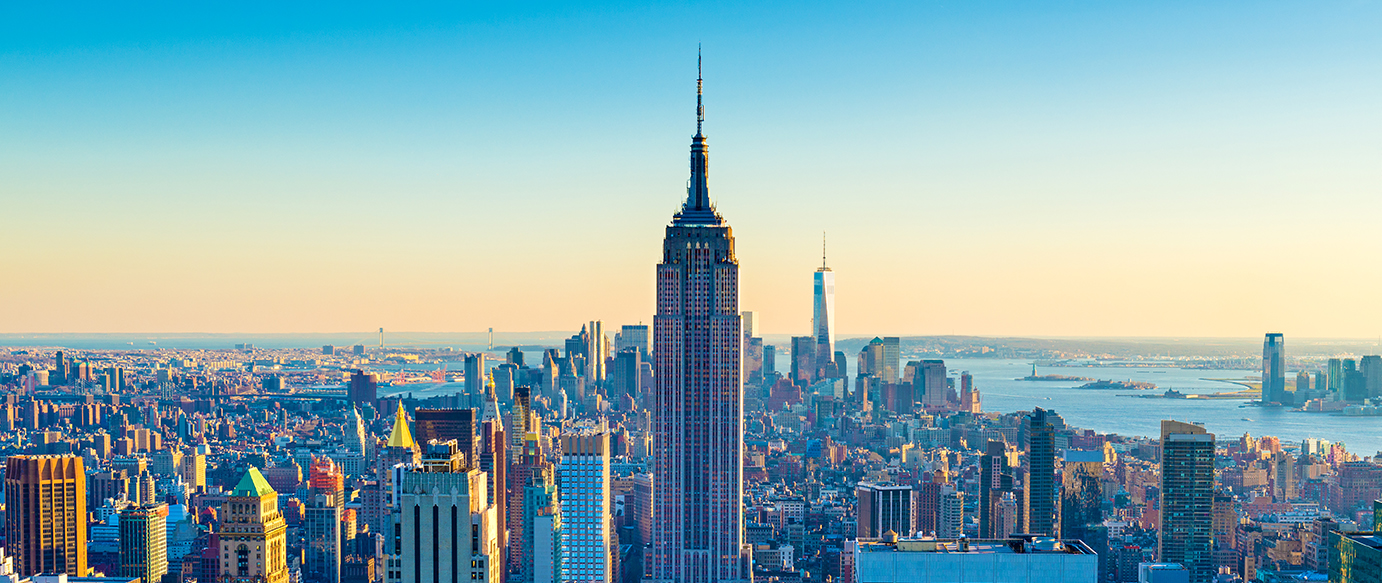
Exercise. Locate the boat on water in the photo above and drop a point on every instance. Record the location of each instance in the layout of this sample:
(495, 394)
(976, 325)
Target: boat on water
(1246, 419)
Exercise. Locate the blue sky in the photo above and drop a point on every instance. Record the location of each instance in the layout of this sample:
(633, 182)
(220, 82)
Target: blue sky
(981, 167)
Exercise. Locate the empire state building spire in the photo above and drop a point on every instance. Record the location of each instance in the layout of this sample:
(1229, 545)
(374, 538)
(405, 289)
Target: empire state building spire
(698, 210)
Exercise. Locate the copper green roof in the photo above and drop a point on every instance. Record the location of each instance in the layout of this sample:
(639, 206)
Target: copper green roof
(253, 485)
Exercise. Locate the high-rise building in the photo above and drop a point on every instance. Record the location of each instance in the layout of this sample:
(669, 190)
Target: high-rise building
(449, 530)
(749, 325)
(529, 462)
(892, 359)
(626, 375)
(1335, 373)
(589, 549)
(636, 337)
(1355, 557)
(460, 425)
(364, 386)
(1082, 492)
(323, 521)
(769, 359)
(1042, 492)
(970, 401)
(505, 378)
(494, 462)
(1273, 368)
(753, 360)
(45, 517)
(253, 545)
(823, 317)
(698, 434)
(542, 528)
(885, 508)
(596, 350)
(803, 360)
(475, 376)
(931, 386)
(1187, 499)
(950, 524)
(143, 542)
(995, 479)
(1371, 367)
(354, 431)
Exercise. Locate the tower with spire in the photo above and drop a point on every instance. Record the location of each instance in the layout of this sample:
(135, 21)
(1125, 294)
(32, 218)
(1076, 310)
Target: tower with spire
(698, 430)
(823, 318)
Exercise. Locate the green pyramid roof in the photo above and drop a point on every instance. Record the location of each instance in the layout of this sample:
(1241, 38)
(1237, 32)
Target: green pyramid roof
(253, 485)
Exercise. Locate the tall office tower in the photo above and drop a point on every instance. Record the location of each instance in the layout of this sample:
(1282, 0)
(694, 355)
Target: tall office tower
(505, 378)
(354, 431)
(930, 384)
(885, 508)
(626, 375)
(1355, 387)
(1335, 368)
(1082, 491)
(1371, 367)
(325, 477)
(747, 318)
(514, 357)
(449, 530)
(587, 543)
(400, 449)
(1273, 368)
(144, 542)
(1042, 492)
(970, 400)
(803, 360)
(892, 359)
(1303, 382)
(823, 316)
(753, 360)
(995, 478)
(634, 336)
(364, 388)
(111, 485)
(447, 424)
(699, 433)
(194, 470)
(252, 537)
(542, 529)
(529, 461)
(952, 513)
(494, 462)
(322, 524)
(474, 378)
(45, 520)
(520, 421)
(1187, 499)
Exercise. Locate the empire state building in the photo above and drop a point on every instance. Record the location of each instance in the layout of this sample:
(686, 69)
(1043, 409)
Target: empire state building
(698, 439)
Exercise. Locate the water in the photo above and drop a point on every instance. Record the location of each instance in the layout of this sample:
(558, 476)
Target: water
(1105, 412)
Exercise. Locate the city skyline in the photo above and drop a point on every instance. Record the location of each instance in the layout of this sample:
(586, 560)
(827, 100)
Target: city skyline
(208, 172)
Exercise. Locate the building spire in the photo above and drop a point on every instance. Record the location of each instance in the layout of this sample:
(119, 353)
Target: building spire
(700, 108)
(822, 249)
(697, 209)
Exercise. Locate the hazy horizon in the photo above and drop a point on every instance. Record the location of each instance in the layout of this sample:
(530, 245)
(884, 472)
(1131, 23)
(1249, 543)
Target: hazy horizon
(1176, 169)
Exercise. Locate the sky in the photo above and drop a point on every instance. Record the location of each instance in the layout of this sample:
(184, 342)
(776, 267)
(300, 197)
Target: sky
(986, 168)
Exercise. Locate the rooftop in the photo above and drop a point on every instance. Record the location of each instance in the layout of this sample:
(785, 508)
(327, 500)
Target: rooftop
(1018, 544)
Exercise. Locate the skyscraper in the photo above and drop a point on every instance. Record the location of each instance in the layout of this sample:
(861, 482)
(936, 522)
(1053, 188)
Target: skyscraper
(804, 355)
(885, 508)
(699, 436)
(252, 536)
(823, 316)
(446, 424)
(995, 479)
(364, 387)
(1041, 476)
(1187, 498)
(588, 546)
(449, 530)
(474, 379)
(45, 519)
(1273, 369)
(144, 542)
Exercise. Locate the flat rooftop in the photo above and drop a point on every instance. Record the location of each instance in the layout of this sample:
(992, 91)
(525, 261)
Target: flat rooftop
(1024, 544)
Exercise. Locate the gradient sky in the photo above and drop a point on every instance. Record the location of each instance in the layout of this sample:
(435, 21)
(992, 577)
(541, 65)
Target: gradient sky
(1072, 168)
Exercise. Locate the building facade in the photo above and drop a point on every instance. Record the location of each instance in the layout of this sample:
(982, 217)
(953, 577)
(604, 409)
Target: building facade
(253, 541)
(144, 542)
(1187, 499)
(699, 436)
(45, 518)
(588, 549)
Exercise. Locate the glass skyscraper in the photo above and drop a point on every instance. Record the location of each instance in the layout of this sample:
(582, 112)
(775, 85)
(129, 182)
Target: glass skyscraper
(698, 436)
(1187, 499)
(1274, 369)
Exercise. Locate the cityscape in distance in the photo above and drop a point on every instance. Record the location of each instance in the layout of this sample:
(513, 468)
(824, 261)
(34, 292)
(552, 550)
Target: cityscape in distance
(1116, 369)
